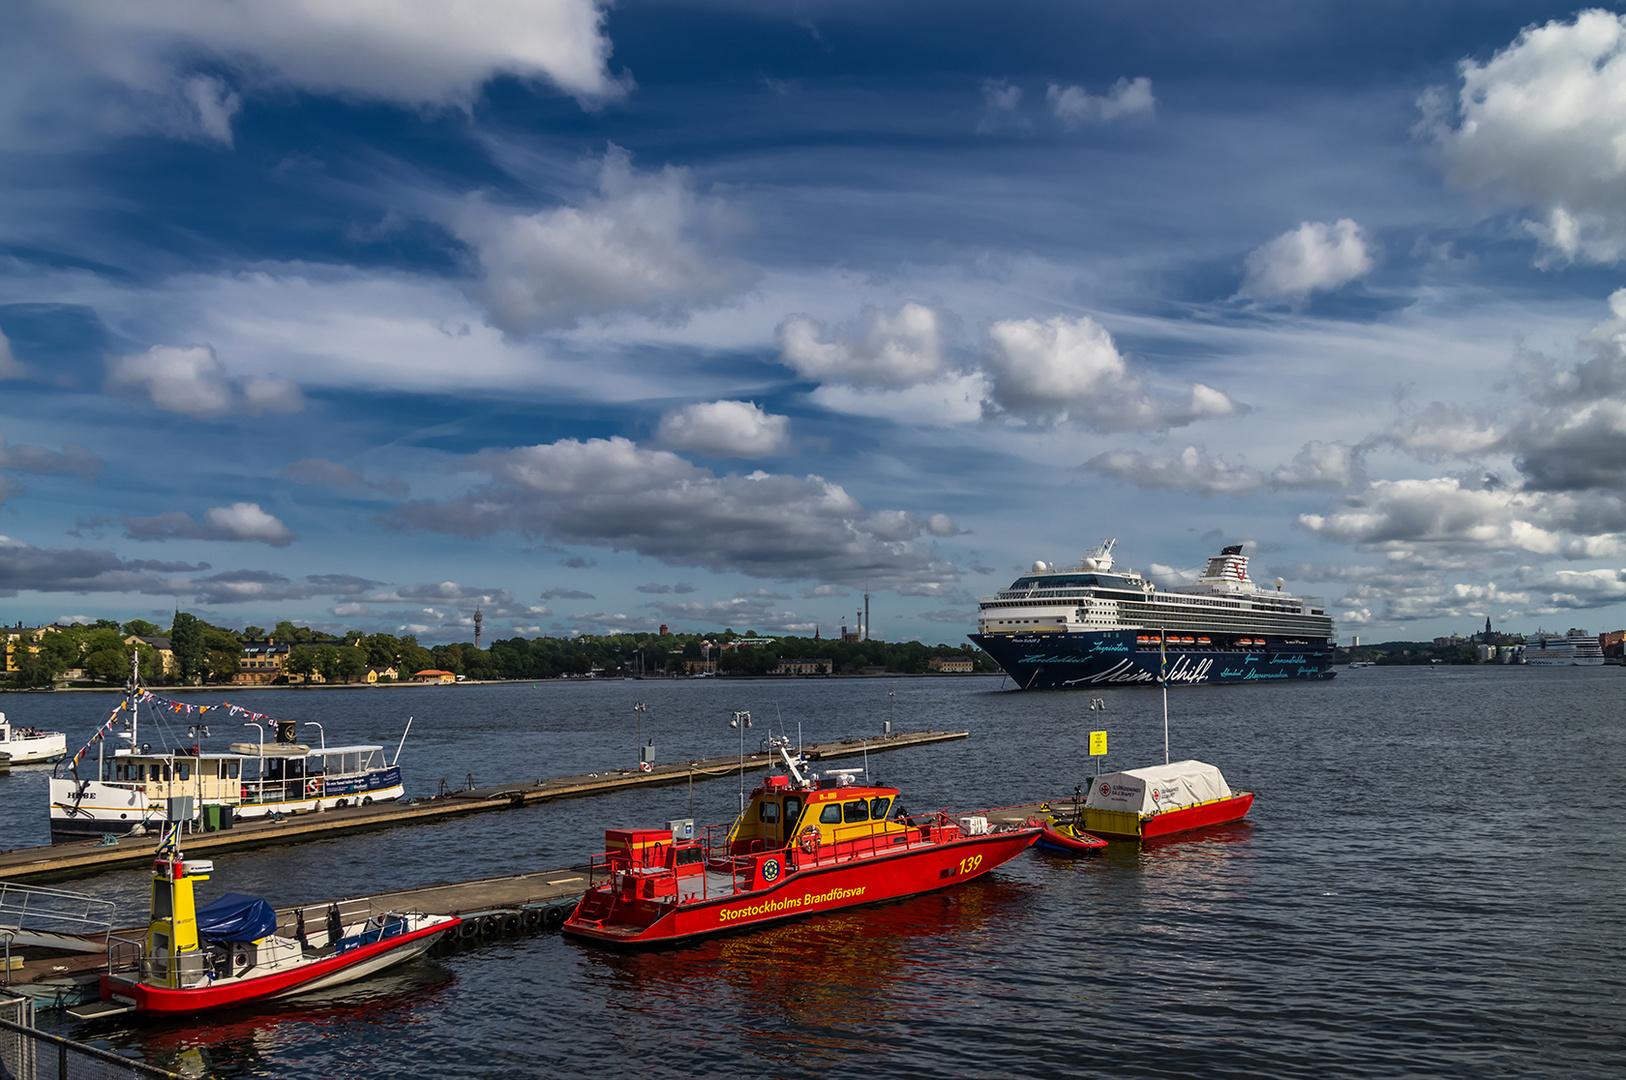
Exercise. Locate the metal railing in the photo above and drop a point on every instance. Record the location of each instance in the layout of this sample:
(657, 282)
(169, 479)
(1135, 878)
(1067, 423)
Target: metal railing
(28, 1054)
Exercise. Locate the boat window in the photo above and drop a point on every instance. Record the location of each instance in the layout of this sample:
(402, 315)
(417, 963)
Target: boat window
(768, 811)
(183, 770)
(878, 807)
(793, 809)
(831, 814)
(234, 769)
(857, 810)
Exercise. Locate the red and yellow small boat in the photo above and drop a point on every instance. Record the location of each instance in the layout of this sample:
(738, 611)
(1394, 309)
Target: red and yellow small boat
(803, 845)
(230, 953)
(1138, 804)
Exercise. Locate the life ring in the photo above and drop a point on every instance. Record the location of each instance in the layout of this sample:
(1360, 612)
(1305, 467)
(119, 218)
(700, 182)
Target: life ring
(644, 766)
(313, 786)
(808, 841)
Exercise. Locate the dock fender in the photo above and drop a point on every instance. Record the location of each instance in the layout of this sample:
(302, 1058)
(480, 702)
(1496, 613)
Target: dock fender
(533, 918)
(553, 918)
(511, 923)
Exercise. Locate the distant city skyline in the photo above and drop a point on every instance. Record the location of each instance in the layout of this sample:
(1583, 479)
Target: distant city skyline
(593, 318)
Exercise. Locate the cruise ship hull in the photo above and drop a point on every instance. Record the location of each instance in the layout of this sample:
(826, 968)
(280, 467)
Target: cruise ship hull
(1113, 658)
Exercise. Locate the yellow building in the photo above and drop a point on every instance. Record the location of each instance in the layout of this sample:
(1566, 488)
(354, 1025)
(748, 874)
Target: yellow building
(956, 665)
(262, 662)
(161, 646)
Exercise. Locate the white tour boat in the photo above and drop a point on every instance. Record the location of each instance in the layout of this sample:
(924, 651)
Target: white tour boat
(25, 746)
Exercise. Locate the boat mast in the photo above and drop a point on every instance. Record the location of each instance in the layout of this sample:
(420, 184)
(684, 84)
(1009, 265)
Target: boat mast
(1163, 677)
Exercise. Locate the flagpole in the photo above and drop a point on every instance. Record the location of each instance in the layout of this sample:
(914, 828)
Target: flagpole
(1163, 677)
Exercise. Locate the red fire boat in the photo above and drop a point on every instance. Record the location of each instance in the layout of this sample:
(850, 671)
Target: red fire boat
(803, 845)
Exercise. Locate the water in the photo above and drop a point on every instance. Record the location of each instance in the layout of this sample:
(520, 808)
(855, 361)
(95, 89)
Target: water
(1429, 885)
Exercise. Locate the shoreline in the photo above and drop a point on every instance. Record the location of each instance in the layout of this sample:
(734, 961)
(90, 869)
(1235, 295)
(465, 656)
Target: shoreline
(500, 682)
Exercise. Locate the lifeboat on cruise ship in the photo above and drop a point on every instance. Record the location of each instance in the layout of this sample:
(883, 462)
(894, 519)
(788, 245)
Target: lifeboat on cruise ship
(804, 844)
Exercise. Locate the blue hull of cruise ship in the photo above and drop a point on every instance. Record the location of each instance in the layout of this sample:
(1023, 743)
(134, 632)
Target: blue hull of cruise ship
(1112, 658)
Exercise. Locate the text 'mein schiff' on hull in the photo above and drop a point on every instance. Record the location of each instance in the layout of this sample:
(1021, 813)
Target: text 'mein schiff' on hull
(1092, 625)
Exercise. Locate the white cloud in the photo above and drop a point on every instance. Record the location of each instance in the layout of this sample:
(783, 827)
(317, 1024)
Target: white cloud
(213, 104)
(1315, 257)
(243, 521)
(419, 52)
(954, 399)
(191, 380)
(1321, 465)
(1000, 100)
(1542, 124)
(725, 429)
(10, 366)
(40, 461)
(612, 493)
(890, 351)
(646, 245)
(1069, 369)
(1437, 520)
(1189, 470)
(1074, 107)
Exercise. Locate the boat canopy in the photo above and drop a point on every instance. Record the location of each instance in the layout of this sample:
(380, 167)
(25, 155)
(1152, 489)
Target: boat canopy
(1158, 787)
(236, 917)
(271, 749)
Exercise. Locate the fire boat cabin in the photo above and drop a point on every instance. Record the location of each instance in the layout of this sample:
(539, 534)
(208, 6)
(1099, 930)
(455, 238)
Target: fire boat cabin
(779, 816)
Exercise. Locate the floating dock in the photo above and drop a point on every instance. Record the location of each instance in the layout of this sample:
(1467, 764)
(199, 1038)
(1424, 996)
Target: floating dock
(65, 861)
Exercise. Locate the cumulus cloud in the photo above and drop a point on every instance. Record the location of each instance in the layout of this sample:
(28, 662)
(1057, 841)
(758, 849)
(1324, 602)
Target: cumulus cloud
(1069, 369)
(327, 473)
(1542, 125)
(612, 493)
(1437, 520)
(1189, 470)
(81, 570)
(40, 461)
(419, 52)
(1315, 257)
(893, 351)
(1568, 432)
(243, 521)
(1321, 465)
(645, 245)
(566, 594)
(725, 429)
(1128, 98)
(191, 380)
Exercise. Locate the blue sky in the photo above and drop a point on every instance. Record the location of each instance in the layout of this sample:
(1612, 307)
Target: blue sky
(719, 314)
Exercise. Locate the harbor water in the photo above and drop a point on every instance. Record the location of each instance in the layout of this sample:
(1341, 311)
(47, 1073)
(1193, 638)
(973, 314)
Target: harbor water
(1430, 884)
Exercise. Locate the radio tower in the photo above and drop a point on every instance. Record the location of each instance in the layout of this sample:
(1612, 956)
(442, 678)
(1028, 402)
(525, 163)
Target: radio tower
(866, 614)
(477, 620)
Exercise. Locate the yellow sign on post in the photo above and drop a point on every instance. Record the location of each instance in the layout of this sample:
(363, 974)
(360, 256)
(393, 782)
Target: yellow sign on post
(1098, 743)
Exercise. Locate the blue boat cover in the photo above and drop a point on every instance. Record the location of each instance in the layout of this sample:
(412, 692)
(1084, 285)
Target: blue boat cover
(236, 917)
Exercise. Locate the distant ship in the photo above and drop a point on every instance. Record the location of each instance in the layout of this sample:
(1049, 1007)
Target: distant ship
(1577, 648)
(1091, 625)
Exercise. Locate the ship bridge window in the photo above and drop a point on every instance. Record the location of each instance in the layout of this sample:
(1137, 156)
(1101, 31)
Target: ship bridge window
(768, 812)
(878, 807)
(183, 770)
(855, 811)
(831, 814)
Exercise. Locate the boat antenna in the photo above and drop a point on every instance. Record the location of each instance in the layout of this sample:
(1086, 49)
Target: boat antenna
(1163, 677)
(403, 741)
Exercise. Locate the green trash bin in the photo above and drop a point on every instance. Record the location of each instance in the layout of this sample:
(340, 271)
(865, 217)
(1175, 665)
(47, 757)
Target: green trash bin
(211, 817)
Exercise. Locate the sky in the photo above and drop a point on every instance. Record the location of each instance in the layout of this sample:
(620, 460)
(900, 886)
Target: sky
(363, 314)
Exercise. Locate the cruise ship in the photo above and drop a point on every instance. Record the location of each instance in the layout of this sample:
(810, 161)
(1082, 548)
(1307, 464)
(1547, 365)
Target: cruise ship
(1093, 625)
(1574, 649)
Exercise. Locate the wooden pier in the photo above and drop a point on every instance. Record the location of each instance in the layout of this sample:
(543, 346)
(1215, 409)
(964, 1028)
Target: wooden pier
(65, 861)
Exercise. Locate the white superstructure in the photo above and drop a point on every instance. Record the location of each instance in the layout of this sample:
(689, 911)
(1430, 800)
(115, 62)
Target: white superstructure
(1576, 648)
(26, 745)
(1093, 597)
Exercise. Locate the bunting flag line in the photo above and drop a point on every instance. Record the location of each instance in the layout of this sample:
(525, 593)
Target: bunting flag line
(148, 697)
